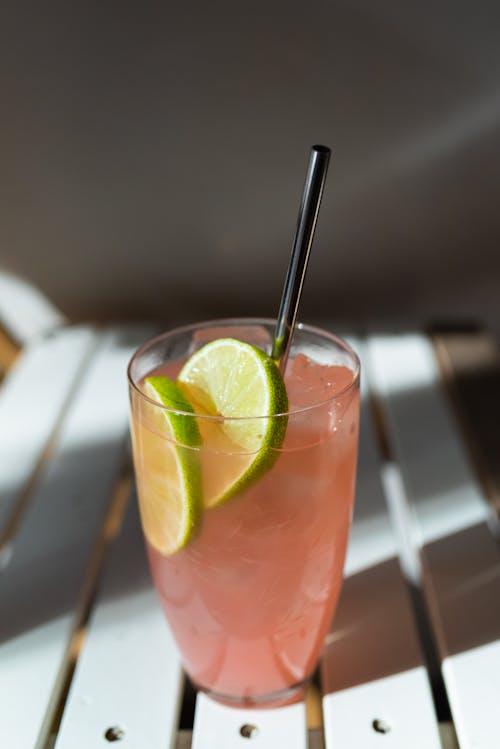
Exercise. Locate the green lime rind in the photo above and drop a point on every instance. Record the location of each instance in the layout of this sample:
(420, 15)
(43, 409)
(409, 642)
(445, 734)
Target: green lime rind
(184, 428)
(274, 402)
(184, 434)
(273, 437)
(263, 462)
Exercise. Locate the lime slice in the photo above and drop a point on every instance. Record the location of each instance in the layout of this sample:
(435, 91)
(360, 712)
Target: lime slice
(168, 468)
(241, 383)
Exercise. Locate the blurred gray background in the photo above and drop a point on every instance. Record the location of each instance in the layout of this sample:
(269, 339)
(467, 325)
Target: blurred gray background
(153, 157)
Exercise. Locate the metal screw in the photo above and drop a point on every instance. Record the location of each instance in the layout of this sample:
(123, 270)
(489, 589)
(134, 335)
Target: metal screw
(114, 734)
(249, 731)
(380, 726)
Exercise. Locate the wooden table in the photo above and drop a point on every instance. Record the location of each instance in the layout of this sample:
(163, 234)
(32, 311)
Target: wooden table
(413, 656)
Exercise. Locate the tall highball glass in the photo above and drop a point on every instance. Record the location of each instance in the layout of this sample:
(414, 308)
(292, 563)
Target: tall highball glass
(251, 595)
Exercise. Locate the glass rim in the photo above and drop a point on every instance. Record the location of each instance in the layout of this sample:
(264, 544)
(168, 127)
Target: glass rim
(248, 321)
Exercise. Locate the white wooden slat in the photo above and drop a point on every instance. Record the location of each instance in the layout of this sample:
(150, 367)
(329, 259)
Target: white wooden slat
(372, 667)
(24, 311)
(392, 706)
(39, 589)
(128, 674)
(31, 401)
(449, 520)
(217, 726)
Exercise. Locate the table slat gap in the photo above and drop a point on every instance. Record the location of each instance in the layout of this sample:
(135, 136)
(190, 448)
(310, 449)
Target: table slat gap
(314, 713)
(448, 735)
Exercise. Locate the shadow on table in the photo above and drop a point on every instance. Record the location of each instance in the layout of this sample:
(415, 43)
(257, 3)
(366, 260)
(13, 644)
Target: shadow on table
(455, 603)
(51, 554)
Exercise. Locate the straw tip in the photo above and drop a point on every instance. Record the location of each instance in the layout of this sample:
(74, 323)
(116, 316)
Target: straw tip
(321, 149)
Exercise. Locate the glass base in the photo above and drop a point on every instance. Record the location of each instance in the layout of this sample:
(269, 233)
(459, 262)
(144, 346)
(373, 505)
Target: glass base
(289, 696)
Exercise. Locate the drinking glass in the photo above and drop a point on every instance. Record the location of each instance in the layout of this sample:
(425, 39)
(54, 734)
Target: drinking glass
(250, 597)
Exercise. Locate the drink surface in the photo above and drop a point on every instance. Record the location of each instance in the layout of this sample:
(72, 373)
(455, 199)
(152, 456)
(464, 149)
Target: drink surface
(251, 597)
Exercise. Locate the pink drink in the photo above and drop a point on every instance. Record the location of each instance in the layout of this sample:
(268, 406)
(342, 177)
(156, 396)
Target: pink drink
(251, 597)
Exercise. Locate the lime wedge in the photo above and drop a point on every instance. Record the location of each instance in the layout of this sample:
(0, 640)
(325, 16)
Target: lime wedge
(168, 468)
(241, 383)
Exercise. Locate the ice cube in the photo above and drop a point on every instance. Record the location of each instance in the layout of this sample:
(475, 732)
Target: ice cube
(309, 383)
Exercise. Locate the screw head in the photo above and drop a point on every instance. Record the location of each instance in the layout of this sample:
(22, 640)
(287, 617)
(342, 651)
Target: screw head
(249, 731)
(381, 726)
(114, 733)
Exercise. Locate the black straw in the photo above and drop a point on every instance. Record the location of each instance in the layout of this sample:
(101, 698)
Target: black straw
(308, 216)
